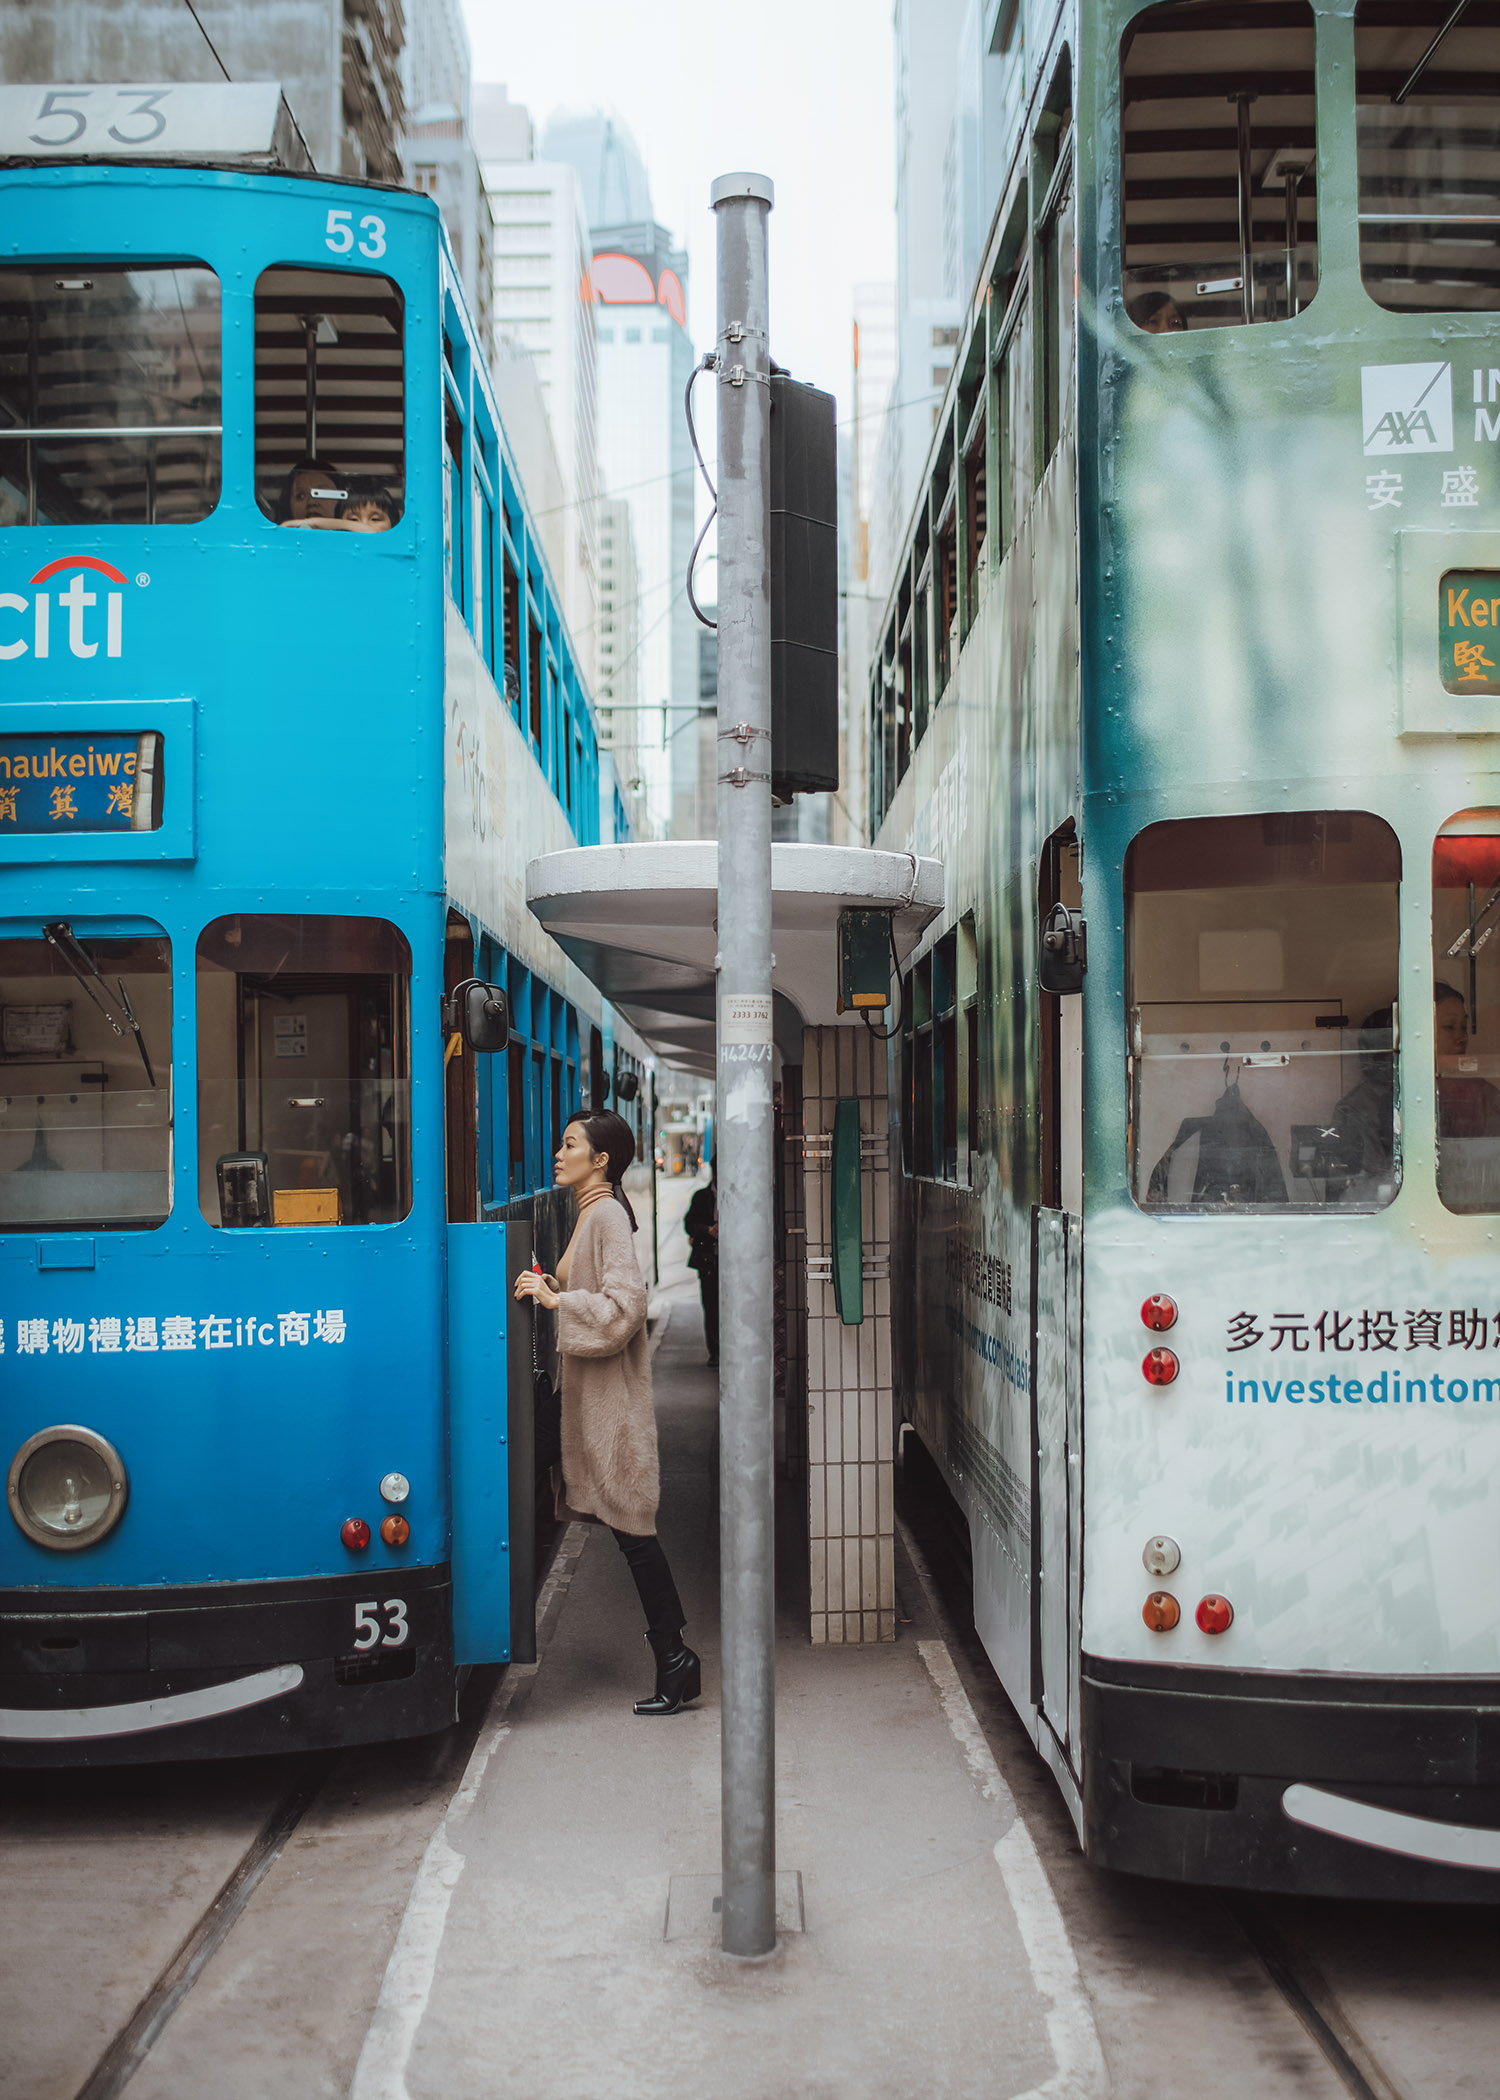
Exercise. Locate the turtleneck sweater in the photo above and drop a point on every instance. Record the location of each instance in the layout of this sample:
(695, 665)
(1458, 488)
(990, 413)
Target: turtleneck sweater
(586, 1200)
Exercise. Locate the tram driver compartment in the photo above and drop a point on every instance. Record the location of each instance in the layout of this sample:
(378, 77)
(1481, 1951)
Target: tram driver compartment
(1262, 1013)
(304, 1082)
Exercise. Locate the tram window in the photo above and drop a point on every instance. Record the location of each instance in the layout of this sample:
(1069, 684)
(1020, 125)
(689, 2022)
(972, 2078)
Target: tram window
(1056, 293)
(512, 642)
(304, 1072)
(929, 1061)
(1262, 981)
(1466, 1010)
(110, 394)
(330, 391)
(86, 1064)
(976, 509)
(945, 595)
(1428, 116)
(1220, 164)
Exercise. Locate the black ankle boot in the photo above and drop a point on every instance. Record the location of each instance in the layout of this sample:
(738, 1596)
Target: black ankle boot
(679, 1675)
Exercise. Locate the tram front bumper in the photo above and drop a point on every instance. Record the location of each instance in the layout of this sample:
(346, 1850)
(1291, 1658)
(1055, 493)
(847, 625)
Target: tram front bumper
(1234, 1778)
(136, 1676)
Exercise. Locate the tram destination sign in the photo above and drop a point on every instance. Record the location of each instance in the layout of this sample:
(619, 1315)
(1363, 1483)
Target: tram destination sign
(80, 781)
(1469, 630)
(178, 120)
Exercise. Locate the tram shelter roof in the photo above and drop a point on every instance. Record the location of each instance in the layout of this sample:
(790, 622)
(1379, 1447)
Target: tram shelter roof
(640, 921)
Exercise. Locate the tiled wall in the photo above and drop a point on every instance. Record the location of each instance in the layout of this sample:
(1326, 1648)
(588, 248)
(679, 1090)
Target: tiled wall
(850, 1436)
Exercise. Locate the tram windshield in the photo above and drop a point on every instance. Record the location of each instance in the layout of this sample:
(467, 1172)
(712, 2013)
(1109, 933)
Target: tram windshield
(1219, 132)
(1466, 1009)
(1263, 1026)
(304, 1072)
(86, 1066)
(1427, 87)
(110, 394)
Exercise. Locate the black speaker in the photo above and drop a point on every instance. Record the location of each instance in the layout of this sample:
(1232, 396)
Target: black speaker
(804, 590)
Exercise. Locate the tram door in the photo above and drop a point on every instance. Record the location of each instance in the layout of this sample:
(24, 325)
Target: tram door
(1057, 1341)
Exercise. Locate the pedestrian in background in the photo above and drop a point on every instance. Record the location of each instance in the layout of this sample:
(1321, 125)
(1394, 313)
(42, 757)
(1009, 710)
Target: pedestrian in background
(702, 1228)
(610, 1470)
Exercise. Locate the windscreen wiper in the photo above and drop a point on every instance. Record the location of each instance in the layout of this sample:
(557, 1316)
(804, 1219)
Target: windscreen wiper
(75, 957)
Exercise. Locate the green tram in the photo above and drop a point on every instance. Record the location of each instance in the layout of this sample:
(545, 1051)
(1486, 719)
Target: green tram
(1191, 674)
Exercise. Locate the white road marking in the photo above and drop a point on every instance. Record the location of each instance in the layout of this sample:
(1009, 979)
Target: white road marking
(1080, 2073)
(380, 2073)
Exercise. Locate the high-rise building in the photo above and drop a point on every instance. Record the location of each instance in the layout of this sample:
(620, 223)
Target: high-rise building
(438, 148)
(338, 61)
(623, 727)
(543, 307)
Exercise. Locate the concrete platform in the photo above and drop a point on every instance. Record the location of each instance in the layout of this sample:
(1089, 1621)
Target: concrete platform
(560, 1940)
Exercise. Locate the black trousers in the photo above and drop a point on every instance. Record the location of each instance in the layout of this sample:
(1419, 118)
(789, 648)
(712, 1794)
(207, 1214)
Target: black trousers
(708, 1285)
(654, 1585)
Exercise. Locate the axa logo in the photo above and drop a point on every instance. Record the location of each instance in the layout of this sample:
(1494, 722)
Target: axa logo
(79, 617)
(1407, 408)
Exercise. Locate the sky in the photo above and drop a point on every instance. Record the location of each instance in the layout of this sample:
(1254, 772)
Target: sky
(800, 90)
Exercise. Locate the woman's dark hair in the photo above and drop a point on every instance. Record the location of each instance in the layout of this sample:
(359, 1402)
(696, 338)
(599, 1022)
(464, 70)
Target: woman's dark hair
(306, 465)
(611, 1135)
(1148, 306)
(363, 489)
(1441, 991)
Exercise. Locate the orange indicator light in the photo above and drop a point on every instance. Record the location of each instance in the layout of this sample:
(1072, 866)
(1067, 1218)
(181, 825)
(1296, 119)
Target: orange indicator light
(1161, 1611)
(395, 1530)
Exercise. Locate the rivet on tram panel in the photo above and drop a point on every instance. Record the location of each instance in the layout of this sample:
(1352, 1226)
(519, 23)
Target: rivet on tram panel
(1162, 1556)
(1161, 1611)
(1160, 1366)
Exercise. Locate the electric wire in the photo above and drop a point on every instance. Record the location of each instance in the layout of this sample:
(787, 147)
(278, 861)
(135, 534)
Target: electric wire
(708, 363)
(898, 1026)
(188, 4)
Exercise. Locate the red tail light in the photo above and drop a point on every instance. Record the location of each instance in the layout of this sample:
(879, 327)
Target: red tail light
(355, 1533)
(1159, 1313)
(1214, 1614)
(1161, 1611)
(1160, 1366)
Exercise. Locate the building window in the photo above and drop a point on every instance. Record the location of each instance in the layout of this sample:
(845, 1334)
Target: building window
(304, 1080)
(1262, 974)
(86, 1119)
(1429, 155)
(110, 395)
(1220, 164)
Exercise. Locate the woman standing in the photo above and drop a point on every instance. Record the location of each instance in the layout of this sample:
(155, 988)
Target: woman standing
(609, 1459)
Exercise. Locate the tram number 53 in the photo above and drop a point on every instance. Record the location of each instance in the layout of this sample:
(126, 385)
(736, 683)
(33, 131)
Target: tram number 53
(368, 1629)
(340, 234)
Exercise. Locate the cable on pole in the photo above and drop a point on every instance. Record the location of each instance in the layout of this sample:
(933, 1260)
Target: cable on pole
(707, 363)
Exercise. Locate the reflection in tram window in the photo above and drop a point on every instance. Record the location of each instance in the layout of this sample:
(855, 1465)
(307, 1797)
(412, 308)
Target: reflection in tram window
(329, 391)
(1262, 1013)
(85, 1079)
(110, 400)
(1427, 84)
(1466, 1009)
(304, 1073)
(1220, 164)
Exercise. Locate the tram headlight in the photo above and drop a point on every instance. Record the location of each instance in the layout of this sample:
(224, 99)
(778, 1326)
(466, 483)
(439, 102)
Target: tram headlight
(67, 1487)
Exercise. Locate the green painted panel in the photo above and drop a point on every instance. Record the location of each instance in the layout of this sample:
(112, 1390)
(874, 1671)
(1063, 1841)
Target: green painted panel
(845, 1234)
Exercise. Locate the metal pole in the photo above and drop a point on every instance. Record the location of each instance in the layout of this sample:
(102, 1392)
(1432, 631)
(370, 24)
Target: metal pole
(1247, 204)
(746, 1154)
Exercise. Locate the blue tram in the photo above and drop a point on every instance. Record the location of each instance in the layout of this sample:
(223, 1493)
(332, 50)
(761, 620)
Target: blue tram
(268, 1147)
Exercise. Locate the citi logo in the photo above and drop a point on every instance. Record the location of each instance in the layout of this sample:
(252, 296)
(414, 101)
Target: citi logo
(77, 602)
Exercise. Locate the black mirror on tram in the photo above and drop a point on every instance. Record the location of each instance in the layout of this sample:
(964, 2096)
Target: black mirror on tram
(479, 1013)
(244, 1188)
(1064, 955)
(627, 1086)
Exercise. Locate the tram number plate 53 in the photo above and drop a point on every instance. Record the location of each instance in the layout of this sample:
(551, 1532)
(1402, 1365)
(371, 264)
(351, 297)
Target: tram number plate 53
(370, 1630)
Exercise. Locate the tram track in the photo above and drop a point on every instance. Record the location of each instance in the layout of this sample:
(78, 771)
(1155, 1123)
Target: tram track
(935, 1538)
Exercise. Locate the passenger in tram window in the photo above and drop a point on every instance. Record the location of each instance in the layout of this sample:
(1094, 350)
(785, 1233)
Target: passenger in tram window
(312, 489)
(1468, 1106)
(1157, 313)
(610, 1471)
(1365, 1120)
(369, 508)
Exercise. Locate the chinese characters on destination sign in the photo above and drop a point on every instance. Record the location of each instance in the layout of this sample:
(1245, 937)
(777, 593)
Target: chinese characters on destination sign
(67, 783)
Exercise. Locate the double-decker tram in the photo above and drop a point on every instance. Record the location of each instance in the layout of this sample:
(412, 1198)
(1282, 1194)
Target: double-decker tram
(1191, 671)
(286, 704)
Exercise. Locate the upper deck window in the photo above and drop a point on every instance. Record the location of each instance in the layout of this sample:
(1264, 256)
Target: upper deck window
(1427, 83)
(1220, 153)
(86, 1051)
(1466, 1010)
(1262, 991)
(330, 399)
(110, 398)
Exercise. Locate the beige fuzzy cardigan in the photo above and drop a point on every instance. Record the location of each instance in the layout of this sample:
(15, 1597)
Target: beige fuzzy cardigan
(609, 1461)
